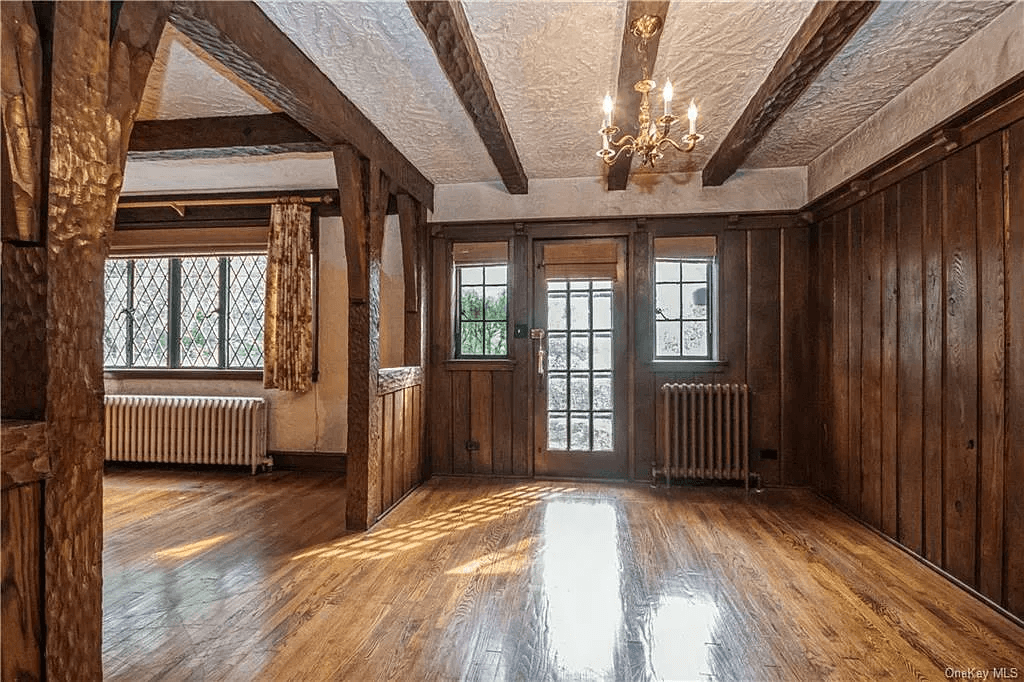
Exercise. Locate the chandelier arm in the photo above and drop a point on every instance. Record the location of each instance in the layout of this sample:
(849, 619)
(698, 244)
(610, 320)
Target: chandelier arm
(612, 158)
(690, 143)
(622, 142)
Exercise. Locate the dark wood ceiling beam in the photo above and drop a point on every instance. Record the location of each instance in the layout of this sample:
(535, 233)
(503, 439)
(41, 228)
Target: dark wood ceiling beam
(447, 28)
(242, 38)
(221, 136)
(825, 30)
(627, 100)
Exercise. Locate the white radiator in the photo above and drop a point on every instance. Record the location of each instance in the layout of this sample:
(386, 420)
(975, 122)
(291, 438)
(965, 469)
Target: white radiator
(704, 431)
(186, 430)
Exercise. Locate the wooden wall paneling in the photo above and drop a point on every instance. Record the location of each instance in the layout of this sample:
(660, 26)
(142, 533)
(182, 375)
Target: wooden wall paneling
(501, 422)
(763, 349)
(797, 379)
(388, 450)
(992, 363)
(481, 422)
(910, 367)
(890, 341)
(960, 366)
(1013, 474)
(933, 340)
(22, 552)
(871, 361)
(461, 424)
(732, 304)
(855, 338)
(827, 462)
(439, 411)
(840, 375)
(645, 386)
(522, 353)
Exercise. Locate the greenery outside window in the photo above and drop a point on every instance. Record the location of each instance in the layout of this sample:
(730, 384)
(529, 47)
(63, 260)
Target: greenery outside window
(481, 286)
(188, 312)
(685, 274)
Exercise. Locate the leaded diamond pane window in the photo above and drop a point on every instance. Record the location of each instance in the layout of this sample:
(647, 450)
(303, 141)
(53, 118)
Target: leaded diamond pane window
(195, 312)
(245, 310)
(151, 296)
(200, 312)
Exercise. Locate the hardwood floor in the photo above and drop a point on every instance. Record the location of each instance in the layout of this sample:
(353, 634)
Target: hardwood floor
(213, 576)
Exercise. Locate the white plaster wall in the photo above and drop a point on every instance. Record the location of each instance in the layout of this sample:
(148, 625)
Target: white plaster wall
(989, 58)
(775, 189)
(392, 297)
(312, 422)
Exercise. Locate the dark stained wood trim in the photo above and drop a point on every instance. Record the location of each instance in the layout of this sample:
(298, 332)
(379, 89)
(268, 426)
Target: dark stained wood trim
(480, 365)
(825, 30)
(130, 217)
(184, 374)
(248, 43)
(619, 225)
(627, 100)
(391, 379)
(187, 138)
(446, 27)
(412, 220)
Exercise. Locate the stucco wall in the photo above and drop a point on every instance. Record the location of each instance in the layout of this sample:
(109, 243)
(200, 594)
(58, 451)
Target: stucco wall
(315, 421)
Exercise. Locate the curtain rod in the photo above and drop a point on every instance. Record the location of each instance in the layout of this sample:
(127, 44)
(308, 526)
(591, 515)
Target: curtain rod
(180, 205)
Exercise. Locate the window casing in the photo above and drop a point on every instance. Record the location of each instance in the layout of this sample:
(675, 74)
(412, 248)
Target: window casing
(201, 312)
(685, 297)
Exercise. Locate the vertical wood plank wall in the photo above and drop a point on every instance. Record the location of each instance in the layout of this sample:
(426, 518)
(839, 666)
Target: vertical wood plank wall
(403, 457)
(920, 296)
(765, 313)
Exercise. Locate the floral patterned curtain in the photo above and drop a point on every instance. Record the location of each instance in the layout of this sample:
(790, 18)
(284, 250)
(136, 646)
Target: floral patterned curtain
(288, 327)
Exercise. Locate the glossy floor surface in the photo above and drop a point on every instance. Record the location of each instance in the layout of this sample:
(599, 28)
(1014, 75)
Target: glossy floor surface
(214, 576)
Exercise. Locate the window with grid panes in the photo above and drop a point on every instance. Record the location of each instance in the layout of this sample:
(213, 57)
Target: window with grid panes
(481, 297)
(202, 312)
(685, 273)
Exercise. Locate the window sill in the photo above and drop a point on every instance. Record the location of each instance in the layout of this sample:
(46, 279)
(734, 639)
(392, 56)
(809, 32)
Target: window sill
(185, 374)
(481, 365)
(689, 366)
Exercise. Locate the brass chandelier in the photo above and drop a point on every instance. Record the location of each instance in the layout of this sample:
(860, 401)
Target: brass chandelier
(652, 135)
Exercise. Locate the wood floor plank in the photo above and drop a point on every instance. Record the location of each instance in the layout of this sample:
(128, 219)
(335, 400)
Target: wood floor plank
(220, 576)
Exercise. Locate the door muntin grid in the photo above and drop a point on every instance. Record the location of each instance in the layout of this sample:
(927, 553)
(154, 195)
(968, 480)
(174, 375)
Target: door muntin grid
(580, 365)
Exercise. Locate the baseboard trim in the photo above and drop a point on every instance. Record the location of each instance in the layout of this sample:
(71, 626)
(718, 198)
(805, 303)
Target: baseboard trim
(332, 462)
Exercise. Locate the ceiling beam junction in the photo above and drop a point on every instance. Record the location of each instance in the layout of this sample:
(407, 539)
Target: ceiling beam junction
(242, 38)
(823, 33)
(447, 28)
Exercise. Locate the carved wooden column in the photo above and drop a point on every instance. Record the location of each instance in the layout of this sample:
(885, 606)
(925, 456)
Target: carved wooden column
(412, 219)
(97, 84)
(363, 190)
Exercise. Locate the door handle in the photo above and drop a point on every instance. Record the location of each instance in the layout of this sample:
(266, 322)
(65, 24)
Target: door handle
(537, 335)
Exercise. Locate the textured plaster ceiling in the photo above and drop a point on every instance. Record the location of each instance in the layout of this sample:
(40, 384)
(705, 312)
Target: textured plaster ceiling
(185, 82)
(898, 43)
(718, 54)
(379, 58)
(552, 62)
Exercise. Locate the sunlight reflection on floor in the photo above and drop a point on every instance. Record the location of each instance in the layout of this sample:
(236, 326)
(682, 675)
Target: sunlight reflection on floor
(581, 582)
(683, 628)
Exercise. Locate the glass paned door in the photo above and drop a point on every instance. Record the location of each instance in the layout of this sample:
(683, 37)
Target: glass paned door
(579, 432)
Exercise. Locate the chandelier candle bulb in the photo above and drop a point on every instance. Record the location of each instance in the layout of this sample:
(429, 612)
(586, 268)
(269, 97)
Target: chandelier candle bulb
(691, 114)
(666, 95)
(607, 111)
